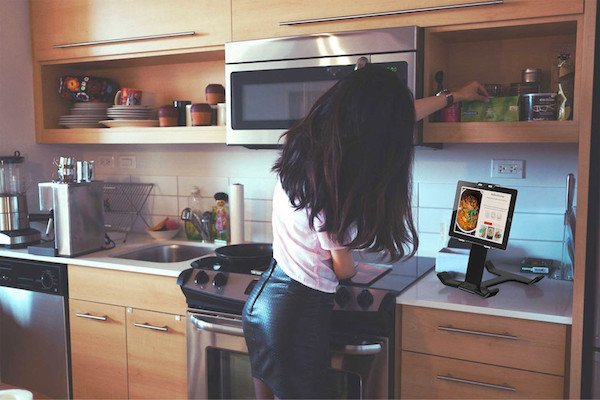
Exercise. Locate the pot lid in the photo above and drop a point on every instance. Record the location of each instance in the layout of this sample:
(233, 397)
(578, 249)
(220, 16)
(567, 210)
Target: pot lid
(14, 159)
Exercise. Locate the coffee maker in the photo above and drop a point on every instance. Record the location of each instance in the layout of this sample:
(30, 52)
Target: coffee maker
(15, 231)
(77, 216)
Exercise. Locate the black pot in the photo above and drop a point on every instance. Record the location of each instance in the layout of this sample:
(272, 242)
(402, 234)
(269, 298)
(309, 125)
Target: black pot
(247, 256)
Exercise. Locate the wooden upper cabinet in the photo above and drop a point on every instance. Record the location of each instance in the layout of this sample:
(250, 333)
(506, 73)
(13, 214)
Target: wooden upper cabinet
(63, 29)
(275, 18)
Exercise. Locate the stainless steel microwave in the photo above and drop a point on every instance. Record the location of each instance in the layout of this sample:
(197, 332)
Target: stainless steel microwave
(272, 83)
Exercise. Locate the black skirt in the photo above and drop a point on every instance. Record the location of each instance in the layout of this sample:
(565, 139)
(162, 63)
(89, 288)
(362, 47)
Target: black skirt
(286, 326)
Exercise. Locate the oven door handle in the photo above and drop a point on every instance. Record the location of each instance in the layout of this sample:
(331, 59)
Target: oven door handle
(217, 328)
(366, 349)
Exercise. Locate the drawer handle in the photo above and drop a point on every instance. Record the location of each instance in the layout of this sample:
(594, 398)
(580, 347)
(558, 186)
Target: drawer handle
(476, 383)
(387, 13)
(478, 333)
(94, 317)
(129, 39)
(153, 327)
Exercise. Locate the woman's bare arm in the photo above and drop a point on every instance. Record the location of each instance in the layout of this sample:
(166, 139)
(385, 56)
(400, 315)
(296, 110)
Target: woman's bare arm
(343, 263)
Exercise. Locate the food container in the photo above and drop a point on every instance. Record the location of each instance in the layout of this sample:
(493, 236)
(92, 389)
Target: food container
(531, 75)
(498, 109)
(538, 107)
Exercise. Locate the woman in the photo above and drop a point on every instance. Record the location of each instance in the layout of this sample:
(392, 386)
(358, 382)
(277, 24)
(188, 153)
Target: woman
(344, 184)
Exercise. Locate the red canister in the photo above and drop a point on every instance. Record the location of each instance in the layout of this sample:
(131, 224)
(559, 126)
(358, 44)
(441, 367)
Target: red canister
(450, 113)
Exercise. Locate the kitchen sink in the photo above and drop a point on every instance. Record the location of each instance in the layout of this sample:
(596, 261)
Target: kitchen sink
(166, 253)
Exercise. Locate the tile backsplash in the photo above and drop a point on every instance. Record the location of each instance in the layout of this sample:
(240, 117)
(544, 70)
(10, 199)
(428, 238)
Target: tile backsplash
(537, 228)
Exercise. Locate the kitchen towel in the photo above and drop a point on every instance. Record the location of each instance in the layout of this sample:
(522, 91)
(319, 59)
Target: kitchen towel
(236, 212)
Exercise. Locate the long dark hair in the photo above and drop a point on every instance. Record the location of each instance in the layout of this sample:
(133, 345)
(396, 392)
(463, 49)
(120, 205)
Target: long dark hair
(351, 158)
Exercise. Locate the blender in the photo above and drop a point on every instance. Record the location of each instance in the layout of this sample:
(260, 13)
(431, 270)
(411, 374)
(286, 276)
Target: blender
(14, 218)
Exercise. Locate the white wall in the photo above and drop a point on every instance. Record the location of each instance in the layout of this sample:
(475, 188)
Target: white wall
(537, 228)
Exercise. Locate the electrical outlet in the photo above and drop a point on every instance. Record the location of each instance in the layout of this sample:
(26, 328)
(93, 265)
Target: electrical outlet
(127, 162)
(514, 169)
(106, 161)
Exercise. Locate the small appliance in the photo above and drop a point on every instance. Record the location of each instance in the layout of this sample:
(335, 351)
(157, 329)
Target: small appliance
(77, 216)
(14, 218)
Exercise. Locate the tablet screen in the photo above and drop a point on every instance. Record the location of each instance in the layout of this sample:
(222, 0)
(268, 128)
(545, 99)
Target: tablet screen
(483, 213)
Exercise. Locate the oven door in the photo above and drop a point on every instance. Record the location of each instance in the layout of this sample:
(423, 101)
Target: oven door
(219, 366)
(267, 98)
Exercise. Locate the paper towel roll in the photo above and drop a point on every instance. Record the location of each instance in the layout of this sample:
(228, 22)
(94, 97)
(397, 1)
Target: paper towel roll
(236, 212)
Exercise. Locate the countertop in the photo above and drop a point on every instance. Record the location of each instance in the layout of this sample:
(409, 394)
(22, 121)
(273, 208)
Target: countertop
(103, 259)
(548, 300)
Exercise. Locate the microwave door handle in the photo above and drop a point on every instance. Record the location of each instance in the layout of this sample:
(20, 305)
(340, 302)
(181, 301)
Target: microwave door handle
(203, 325)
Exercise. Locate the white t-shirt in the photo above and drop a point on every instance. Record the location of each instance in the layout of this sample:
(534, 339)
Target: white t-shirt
(301, 252)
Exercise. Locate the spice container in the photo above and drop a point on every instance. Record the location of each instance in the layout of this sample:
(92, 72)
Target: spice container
(531, 75)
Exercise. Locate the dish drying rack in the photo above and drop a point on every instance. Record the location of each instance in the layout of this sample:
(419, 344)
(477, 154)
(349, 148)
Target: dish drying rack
(123, 204)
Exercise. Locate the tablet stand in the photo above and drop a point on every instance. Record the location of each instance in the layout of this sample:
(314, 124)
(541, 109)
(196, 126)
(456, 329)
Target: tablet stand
(473, 283)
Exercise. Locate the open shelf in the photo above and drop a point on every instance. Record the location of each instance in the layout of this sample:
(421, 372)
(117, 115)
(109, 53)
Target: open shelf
(496, 53)
(163, 78)
(501, 132)
(158, 135)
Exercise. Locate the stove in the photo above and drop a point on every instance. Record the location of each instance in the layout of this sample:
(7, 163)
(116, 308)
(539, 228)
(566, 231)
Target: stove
(362, 339)
(214, 284)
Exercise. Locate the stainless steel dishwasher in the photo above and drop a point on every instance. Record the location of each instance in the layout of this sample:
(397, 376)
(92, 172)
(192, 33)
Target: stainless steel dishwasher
(34, 346)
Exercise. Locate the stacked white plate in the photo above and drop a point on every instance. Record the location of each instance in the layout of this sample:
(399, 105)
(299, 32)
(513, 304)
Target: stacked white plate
(84, 115)
(130, 112)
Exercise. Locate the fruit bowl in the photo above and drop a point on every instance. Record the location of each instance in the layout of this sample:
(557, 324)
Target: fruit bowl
(164, 235)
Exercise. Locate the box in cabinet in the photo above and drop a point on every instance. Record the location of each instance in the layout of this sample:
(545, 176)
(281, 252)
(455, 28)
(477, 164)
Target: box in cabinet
(498, 109)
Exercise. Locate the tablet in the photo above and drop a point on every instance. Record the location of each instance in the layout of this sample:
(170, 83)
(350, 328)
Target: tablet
(483, 213)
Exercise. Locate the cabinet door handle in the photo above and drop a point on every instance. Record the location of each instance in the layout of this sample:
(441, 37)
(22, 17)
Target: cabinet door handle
(153, 327)
(94, 317)
(387, 13)
(128, 39)
(478, 333)
(476, 383)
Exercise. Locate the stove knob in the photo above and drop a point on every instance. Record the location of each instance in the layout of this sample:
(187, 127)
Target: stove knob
(220, 280)
(365, 299)
(201, 278)
(342, 296)
(47, 279)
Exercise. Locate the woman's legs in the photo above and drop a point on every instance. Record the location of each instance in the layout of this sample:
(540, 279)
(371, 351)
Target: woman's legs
(261, 390)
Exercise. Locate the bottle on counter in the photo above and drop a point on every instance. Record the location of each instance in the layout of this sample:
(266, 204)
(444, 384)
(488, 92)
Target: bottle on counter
(220, 218)
(194, 203)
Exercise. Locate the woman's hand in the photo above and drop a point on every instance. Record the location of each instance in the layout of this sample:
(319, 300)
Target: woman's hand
(431, 104)
(471, 91)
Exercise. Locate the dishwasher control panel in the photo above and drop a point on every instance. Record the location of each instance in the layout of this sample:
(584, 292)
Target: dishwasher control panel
(34, 275)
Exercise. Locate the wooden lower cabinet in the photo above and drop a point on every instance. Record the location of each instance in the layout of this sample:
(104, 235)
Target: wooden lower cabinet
(156, 355)
(98, 350)
(449, 354)
(431, 377)
(128, 336)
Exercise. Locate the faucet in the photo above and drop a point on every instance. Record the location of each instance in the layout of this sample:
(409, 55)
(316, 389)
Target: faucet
(202, 224)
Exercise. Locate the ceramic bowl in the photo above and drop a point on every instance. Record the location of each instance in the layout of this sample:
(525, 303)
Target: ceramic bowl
(80, 89)
(164, 235)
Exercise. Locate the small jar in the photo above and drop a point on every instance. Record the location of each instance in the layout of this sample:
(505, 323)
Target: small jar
(201, 114)
(531, 75)
(215, 94)
(168, 116)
